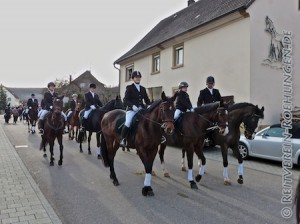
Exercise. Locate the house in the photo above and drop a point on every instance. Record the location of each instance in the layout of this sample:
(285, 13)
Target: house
(239, 42)
(80, 85)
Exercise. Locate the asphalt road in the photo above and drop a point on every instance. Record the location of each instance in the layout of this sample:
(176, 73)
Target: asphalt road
(81, 192)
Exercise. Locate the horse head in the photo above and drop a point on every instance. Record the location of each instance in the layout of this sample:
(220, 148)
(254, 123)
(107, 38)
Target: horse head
(119, 103)
(251, 121)
(58, 105)
(167, 109)
(269, 25)
(222, 118)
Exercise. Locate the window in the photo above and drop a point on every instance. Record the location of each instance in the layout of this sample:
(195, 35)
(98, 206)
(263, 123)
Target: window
(178, 55)
(8, 99)
(129, 70)
(154, 93)
(156, 63)
(275, 132)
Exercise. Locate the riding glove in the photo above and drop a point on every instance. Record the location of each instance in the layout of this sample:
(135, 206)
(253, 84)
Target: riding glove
(93, 107)
(135, 108)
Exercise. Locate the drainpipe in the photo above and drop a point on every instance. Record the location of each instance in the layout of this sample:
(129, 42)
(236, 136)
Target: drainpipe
(119, 78)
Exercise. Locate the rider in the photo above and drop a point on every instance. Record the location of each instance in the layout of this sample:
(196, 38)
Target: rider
(48, 100)
(92, 102)
(209, 94)
(183, 102)
(73, 104)
(134, 96)
(30, 102)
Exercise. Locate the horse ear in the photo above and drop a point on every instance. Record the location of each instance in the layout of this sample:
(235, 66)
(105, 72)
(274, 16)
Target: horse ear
(221, 103)
(163, 96)
(263, 108)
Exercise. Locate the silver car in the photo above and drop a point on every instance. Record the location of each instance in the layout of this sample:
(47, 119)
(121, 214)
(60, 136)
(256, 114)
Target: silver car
(267, 144)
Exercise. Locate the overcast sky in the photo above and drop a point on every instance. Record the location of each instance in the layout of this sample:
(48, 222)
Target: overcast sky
(41, 40)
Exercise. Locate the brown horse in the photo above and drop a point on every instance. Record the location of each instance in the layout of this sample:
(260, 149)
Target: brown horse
(146, 138)
(32, 118)
(15, 114)
(190, 133)
(74, 123)
(54, 129)
(239, 113)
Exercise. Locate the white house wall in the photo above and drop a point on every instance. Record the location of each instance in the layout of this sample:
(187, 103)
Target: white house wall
(266, 82)
(223, 53)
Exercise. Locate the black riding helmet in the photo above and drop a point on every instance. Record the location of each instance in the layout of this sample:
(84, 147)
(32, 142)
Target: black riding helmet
(93, 85)
(210, 79)
(136, 74)
(183, 84)
(51, 84)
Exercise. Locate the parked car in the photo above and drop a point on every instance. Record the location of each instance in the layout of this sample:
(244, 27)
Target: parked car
(267, 143)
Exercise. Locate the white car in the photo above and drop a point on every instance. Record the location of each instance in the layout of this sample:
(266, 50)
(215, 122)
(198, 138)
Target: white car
(267, 144)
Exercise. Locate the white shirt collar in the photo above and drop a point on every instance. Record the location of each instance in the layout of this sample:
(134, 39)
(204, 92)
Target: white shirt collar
(138, 86)
(211, 90)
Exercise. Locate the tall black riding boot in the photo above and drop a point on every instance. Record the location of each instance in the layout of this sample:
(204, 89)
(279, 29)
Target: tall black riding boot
(124, 134)
(83, 123)
(41, 126)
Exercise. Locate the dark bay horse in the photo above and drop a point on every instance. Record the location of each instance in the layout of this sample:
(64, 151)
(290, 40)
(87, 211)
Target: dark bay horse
(239, 113)
(7, 114)
(74, 123)
(148, 132)
(93, 123)
(32, 117)
(191, 133)
(53, 129)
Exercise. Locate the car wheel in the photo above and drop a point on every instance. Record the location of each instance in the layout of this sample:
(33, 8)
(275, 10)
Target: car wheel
(243, 150)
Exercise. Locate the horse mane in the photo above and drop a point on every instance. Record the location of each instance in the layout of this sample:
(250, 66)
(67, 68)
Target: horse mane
(153, 105)
(239, 106)
(108, 105)
(207, 108)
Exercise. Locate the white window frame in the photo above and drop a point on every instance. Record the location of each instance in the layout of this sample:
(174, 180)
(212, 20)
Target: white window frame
(156, 63)
(128, 70)
(178, 55)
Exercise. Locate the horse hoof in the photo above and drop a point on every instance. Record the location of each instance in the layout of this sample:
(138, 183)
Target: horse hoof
(60, 162)
(45, 155)
(99, 157)
(227, 182)
(80, 151)
(193, 185)
(147, 191)
(116, 183)
(183, 169)
(198, 177)
(240, 180)
(51, 163)
(166, 174)
(90, 152)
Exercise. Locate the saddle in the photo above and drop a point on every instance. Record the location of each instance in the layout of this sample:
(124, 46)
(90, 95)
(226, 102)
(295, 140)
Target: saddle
(133, 128)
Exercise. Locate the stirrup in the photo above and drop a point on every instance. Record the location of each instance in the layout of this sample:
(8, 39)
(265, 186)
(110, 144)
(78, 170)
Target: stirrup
(82, 129)
(163, 139)
(123, 142)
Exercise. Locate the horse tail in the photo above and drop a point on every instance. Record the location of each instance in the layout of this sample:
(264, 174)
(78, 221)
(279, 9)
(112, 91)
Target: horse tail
(82, 136)
(104, 151)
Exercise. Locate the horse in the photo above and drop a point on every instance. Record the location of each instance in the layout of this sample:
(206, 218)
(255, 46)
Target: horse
(239, 113)
(145, 135)
(7, 114)
(74, 123)
(190, 133)
(276, 46)
(54, 129)
(32, 118)
(93, 123)
(15, 114)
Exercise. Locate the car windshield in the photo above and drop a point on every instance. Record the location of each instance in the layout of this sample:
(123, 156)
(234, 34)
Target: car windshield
(275, 132)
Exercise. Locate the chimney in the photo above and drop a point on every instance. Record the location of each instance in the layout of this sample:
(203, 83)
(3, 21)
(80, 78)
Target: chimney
(190, 2)
(70, 79)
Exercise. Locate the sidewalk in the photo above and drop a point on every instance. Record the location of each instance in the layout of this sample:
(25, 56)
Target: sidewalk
(21, 200)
